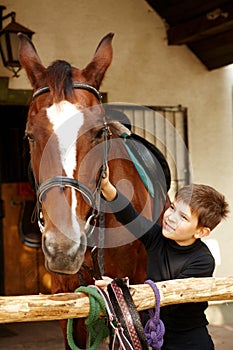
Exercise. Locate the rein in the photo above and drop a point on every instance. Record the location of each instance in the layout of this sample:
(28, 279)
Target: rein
(121, 318)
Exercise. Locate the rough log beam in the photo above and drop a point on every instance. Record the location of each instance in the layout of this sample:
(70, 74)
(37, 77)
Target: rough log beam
(76, 305)
(217, 21)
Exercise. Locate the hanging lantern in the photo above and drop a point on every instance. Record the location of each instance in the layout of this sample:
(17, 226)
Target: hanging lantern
(9, 42)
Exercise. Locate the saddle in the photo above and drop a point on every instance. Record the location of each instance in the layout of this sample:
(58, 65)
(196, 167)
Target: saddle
(149, 161)
(153, 169)
(142, 151)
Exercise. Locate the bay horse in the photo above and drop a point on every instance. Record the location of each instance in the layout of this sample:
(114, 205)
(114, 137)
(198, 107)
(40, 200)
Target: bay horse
(71, 138)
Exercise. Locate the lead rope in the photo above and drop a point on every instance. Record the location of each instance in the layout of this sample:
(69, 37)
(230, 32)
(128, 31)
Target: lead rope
(107, 134)
(98, 211)
(154, 328)
(97, 328)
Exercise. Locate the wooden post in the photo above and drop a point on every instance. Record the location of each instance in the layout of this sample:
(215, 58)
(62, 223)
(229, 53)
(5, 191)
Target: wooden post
(76, 305)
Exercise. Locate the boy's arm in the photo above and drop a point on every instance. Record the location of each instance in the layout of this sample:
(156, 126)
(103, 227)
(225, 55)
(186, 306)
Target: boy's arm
(201, 266)
(124, 211)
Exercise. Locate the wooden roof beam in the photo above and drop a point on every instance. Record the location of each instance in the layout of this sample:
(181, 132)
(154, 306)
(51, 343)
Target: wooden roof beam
(216, 21)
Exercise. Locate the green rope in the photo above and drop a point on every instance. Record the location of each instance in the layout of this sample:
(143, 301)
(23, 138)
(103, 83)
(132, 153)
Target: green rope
(97, 328)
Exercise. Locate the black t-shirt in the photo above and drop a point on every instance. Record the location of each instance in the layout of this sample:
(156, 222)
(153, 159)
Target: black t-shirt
(166, 261)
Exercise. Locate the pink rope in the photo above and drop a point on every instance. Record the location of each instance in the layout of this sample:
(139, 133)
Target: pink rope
(154, 328)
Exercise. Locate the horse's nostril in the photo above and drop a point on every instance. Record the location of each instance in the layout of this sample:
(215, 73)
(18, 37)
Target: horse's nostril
(48, 246)
(62, 256)
(56, 245)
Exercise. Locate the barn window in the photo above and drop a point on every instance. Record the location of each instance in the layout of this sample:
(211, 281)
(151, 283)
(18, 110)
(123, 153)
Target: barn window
(166, 128)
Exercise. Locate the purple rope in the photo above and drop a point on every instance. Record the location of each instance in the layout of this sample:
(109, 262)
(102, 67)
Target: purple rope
(154, 328)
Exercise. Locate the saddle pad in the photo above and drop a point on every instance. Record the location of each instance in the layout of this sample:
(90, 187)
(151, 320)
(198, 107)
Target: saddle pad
(143, 174)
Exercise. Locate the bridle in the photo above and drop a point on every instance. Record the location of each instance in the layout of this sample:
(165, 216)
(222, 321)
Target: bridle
(76, 85)
(93, 199)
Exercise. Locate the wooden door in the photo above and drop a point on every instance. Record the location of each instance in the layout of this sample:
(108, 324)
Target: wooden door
(24, 271)
(22, 268)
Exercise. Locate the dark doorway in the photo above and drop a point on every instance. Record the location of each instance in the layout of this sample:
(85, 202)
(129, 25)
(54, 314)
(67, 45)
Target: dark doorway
(14, 155)
(14, 158)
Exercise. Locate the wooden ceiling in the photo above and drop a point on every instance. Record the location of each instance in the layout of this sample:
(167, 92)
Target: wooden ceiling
(204, 26)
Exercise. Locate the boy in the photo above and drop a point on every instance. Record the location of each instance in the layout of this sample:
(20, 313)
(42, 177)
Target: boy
(176, 251)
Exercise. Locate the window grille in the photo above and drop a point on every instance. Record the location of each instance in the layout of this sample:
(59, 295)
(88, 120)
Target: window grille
(166, 128)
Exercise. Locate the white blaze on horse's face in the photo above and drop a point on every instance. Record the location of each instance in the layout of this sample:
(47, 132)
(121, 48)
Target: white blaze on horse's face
(66, 121)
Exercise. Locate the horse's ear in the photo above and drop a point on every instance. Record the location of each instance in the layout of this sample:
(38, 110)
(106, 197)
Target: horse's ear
(30, 61)
(94, 72)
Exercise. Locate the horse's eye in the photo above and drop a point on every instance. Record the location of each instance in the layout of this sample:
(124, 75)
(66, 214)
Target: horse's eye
(98, 134)
(30, 137)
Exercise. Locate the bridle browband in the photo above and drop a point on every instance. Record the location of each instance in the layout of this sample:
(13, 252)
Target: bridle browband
(76, 85)
(93, 199)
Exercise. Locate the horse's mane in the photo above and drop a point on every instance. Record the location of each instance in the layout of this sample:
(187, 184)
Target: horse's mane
(59, 79)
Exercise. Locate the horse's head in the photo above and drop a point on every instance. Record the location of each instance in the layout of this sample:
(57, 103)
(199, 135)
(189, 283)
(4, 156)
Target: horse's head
(65, 124)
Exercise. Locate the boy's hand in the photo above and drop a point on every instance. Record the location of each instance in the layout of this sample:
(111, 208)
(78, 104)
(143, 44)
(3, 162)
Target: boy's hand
(105, 177)
(108, 190)
(103, 283)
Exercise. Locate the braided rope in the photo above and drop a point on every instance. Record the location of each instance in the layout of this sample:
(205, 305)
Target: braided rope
(97, 328)
(154, 328)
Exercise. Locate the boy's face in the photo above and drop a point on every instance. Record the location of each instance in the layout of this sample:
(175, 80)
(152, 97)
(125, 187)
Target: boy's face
(179, 224)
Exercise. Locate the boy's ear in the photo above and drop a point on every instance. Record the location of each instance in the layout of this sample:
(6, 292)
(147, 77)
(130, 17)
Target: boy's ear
(202, 232)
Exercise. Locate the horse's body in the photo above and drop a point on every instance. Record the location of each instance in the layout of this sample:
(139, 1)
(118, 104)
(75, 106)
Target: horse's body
(68, 133)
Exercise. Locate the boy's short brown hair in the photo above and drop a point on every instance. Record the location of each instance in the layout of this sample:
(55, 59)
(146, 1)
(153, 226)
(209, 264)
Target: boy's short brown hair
(207, 203)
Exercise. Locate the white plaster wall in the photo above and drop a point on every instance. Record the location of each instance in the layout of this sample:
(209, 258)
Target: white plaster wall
(145, 71)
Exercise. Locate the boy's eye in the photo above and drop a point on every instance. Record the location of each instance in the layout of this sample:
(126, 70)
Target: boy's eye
(184, 217)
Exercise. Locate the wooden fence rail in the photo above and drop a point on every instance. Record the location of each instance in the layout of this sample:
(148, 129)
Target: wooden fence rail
(76, 305)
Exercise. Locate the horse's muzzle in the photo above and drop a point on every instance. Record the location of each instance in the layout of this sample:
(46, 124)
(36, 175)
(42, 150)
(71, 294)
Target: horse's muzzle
(63, 255)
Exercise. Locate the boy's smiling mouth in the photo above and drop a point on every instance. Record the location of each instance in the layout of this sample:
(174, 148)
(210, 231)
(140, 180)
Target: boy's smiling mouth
(168, 227)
